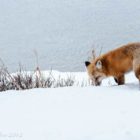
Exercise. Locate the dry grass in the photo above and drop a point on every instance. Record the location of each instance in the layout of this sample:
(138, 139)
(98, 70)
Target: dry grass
(27, 80)
(22, 79)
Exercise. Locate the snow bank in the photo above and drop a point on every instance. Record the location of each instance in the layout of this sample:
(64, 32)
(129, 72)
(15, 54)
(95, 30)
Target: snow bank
(108, 112)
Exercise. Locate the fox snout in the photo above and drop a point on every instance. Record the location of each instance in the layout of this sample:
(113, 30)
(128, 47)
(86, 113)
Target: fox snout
(97, 83)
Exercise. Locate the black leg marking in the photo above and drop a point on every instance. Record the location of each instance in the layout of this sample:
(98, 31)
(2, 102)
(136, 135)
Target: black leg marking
(116, 80)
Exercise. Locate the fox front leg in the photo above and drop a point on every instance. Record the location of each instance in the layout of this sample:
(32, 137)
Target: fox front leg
(116, 80)
(120, 80)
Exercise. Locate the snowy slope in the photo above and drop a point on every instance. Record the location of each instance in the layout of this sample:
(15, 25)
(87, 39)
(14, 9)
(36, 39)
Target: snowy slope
(107, 112)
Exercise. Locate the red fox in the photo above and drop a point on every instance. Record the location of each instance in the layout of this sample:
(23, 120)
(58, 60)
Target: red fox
(115, 63)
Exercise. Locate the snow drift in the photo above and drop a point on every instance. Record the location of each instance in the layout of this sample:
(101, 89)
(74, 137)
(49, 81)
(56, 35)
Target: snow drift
(108, 112)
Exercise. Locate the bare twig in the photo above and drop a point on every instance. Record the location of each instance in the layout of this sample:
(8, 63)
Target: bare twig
(36, 56)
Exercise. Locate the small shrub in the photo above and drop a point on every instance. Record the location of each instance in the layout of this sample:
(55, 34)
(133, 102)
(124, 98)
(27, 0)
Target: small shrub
(27, 80)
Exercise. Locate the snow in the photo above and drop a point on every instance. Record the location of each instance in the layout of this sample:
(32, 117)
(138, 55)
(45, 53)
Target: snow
(108, 112)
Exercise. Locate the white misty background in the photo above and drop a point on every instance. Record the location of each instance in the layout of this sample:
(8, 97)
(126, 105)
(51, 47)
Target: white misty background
(64, 32)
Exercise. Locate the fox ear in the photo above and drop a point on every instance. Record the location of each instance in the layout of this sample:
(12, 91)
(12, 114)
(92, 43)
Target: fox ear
(99, 64)
(87, 63)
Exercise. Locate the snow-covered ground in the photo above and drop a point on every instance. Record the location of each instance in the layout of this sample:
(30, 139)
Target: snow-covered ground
(108, 112)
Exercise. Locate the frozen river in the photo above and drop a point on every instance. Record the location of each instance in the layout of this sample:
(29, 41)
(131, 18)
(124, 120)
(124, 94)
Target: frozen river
(63, 32)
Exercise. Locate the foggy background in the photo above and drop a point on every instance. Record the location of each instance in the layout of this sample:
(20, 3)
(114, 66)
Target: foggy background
(63, 32)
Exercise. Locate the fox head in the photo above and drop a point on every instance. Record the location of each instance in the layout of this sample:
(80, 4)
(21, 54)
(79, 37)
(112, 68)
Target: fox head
(95, 71)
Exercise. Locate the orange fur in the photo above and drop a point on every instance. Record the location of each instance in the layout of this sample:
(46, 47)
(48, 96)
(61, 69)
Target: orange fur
(116, 63)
